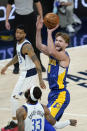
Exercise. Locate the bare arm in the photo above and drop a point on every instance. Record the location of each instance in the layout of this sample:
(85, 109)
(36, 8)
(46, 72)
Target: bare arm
(8, 10)
(29, 50)
(21, 115)
(48, 116)
(12, 62)
(39, 45)
(58, 124)
(39, 8)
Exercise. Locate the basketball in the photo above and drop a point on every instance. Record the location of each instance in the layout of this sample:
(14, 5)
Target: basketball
(51, 20)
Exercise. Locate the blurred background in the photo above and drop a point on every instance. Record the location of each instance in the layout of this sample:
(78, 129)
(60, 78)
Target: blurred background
(78, 38)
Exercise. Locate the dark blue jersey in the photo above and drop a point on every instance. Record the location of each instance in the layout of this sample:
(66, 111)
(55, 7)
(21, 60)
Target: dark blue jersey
(56, 74)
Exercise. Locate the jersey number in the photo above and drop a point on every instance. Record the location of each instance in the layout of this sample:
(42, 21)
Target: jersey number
(19, 57)
(37, 124)
(49, 68)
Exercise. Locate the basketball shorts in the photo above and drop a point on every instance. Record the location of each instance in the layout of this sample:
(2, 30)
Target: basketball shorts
(26, 80)
(48, 126)
(58, 100)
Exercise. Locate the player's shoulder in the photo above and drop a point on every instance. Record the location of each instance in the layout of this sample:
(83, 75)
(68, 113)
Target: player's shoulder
(21, 112)
(26, 42)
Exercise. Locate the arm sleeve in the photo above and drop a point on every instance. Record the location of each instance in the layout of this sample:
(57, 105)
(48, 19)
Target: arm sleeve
(59, 125)
(11, 2)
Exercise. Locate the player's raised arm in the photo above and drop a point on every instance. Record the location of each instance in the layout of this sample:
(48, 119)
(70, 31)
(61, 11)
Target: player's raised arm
(39, 45)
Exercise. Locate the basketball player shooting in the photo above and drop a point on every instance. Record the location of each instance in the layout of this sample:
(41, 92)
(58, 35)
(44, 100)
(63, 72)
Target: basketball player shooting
(59, 97)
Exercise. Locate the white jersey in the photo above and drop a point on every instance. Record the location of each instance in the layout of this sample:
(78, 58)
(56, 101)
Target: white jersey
(25, 62)
(35, 117)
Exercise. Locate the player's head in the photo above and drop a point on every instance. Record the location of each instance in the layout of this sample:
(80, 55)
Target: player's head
(33, 94)
(20, 33)
(62, 41)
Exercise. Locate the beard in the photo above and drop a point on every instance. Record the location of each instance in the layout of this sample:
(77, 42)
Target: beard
(18, 39)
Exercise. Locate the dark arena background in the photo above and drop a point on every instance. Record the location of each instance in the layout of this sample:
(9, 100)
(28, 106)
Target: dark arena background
(77, 75)
(78, 38)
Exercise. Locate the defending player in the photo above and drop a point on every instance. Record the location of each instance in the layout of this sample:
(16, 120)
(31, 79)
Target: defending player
(32, 114)
(30, 70)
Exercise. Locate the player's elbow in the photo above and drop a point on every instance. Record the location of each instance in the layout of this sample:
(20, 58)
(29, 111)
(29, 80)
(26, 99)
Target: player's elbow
(51, 53)
(39, 47)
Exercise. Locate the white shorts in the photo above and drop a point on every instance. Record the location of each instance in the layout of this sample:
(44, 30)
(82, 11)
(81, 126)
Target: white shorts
(24, 83)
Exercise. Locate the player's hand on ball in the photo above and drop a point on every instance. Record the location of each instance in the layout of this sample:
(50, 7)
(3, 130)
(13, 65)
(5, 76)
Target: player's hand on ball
(51, 30)
(39, 23)
(51, 20)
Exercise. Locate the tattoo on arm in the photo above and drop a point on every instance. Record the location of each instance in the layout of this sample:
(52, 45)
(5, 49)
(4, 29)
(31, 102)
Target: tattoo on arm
(20, 124)
(38, 66)
(20, 118)
(29, 50)
(39, 71)
(13, 61)
(34, 58)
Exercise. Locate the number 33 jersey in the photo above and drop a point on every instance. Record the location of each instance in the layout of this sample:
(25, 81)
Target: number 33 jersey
(35, 117)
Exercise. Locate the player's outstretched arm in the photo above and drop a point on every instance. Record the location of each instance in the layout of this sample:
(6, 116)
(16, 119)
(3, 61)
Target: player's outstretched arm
(58, 124)
(12, 62)
(39, 45)
(62, 124)
(73, 122)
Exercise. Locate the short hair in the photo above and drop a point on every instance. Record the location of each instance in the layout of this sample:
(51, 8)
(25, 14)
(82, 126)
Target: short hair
(65, 36)
(37, 93)
(21, 27)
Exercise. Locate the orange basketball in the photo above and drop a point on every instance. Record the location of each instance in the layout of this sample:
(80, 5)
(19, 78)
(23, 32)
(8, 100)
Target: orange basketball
(51, 20)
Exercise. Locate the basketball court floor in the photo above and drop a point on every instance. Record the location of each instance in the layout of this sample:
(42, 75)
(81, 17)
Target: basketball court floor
(77, 86)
